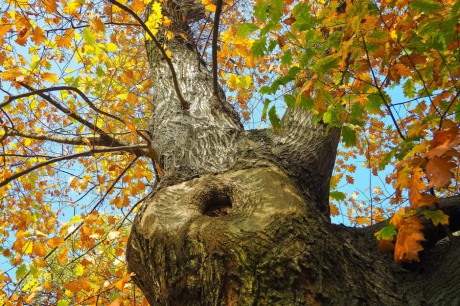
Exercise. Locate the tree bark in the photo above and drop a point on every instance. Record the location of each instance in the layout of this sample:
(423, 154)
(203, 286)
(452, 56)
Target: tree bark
(241, 217)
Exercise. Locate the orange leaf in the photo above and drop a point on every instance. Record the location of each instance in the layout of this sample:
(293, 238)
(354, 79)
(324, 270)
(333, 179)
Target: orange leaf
(385, 245)
(62, 256)
(439, 171)
(131, 127)
(22, 36)
(120, 284)
(443, 141)
(10, 74)
(55, 242)
(38, 35)
(39, 249)
(47, 286)
(51, 6)
(408, 240)
(416, 197)
(97, 24)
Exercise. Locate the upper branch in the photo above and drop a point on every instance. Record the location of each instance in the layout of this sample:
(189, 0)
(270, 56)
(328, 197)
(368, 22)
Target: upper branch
(184, 104)
(215, 36)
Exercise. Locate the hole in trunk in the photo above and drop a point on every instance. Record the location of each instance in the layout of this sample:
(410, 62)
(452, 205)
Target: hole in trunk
(217, 204)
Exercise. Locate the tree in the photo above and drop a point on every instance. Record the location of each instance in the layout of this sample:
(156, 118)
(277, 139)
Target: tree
(235, 216)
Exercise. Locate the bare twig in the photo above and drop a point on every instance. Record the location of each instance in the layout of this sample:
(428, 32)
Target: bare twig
(380, 91)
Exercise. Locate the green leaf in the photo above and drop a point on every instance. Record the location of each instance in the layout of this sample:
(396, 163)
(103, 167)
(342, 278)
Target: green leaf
(437, 217)
(425, 6)
(289, 100)
(374, 102)
(272, 45)
(88, 38)
(21, 271)
(259, 47)
(246, 28)
(274, 119)
(264, 111)
(265, 90)
(348, 136)
(337, 195)
(261, 11)
(409, 88)
(276, 10)
(286, 59)
(387, 232)
(386, 159)
(356, 114)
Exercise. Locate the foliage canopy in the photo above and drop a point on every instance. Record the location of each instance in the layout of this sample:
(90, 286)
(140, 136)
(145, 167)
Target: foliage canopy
(77, 98)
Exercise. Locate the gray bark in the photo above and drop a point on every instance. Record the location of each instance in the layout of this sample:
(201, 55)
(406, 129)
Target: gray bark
(241, 217)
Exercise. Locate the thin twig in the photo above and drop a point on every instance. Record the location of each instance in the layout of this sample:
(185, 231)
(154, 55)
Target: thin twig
(380, 91)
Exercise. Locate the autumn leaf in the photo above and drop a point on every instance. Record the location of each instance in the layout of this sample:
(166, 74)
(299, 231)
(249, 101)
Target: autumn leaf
(55, 242)
(120, 284)
(63, 255)
(408, 240)
(439, 171)
(437, 217)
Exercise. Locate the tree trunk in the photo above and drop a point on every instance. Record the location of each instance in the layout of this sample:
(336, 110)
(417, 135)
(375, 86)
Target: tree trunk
(241, 217)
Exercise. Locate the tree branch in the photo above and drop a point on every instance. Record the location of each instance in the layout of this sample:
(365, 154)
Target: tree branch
(184, 104)
(215, 36)
(380, 91)
(41, 92)
(137, 150)
(95, 141)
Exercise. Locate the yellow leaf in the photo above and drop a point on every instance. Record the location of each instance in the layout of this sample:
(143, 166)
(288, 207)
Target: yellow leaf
(50, 77)
(72, 7)
(10, 74)
(209, 5)
(27, 248)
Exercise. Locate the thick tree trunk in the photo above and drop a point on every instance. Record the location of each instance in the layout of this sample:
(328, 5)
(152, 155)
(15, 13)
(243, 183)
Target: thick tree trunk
(241, 217)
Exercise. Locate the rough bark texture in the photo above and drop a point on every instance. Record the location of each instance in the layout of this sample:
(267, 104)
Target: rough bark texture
(241, 217)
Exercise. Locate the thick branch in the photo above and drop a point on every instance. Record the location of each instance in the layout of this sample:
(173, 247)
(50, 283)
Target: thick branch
(137, 150)
(184, 104)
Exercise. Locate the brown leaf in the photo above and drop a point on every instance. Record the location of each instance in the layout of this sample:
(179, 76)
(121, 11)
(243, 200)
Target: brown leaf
(439, 171)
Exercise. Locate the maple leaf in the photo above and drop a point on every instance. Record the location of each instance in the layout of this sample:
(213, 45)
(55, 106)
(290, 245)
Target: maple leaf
(408, 240)
(22, 36)
(443, 141)
(38, 35)
(439, 171)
